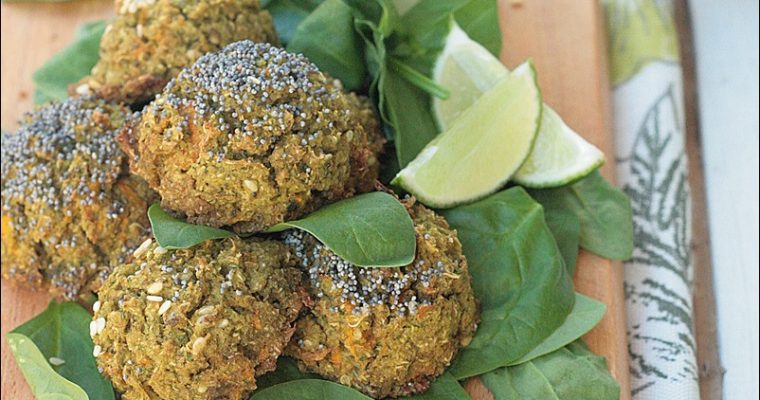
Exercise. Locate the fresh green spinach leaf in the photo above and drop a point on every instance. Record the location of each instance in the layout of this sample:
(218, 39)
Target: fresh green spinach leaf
(445, 387)
(570, 373)
(403, 107)
(288, 14)
(399, 91)
(45, 383)
(566, 228)
(374, 58)
(423, 31)
(403, 6)
(62, 332)
(308, 389)
(381, 12)
(389, 167)
(369, 230)
(172, 233)
(374, 20)
(419, 80)
(518, 275)
(407, 109)
(604, 212)
(428, 22)
(328, 39)
(69, 65)
(287, 370)
(586, 313)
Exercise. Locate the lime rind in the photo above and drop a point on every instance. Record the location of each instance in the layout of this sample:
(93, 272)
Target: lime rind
(468, 70)
(482, 148)
(560, 155)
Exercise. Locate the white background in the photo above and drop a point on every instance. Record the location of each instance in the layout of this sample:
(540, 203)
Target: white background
(726, 41)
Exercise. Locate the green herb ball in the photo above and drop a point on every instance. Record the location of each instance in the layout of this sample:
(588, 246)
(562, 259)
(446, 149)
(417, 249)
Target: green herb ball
(252, 136)
(198, 323)
(150, 41)
(70, 210)
(387, 332)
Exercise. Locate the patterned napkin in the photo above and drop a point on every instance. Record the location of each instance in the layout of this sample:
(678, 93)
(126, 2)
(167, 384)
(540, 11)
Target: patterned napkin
(652, 169)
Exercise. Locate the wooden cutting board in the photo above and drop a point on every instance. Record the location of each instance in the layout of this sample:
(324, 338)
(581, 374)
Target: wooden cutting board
(565, 39)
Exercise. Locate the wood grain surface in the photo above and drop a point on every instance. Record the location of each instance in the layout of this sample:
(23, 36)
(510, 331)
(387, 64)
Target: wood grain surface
(565, 39)
(31, 33)
(567, 42)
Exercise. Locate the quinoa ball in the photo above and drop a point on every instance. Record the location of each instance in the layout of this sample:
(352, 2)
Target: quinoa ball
(251, 136)
(198, 323)
(387, 332)
(150, 41)
(70, 210)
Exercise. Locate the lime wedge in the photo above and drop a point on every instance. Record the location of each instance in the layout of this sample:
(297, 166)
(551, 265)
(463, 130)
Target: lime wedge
(560, 155)
(468, 70)
(482, 148)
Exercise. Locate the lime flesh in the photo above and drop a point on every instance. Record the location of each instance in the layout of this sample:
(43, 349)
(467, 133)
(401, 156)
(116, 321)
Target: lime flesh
(468, 70)
(560, 155)
(482, 148)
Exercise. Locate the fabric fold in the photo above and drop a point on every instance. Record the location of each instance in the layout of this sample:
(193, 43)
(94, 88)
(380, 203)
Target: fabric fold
(652, 169)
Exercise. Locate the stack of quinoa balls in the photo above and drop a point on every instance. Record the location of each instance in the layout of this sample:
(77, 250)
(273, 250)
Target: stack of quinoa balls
(237, 133)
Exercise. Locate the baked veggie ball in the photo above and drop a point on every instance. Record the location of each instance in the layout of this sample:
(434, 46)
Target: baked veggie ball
(199, 323)
(150, 41)
(387, 332)
(252, 136)
(69, 208)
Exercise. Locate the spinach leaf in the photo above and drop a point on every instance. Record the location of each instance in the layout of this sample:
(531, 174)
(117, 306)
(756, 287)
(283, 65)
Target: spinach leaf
(397, 55)
(424, 28)
(287, 370)
(518, 275)
(328, 39)
(288, 14)
(586, 313)
(570, 373)
(381, 12)
(374, 21)
(69, 65)
(428, 22)
(403, 106)
(309, 389)
(43, 380)
(369, 230)
(445, 387)
(403, 6)
(62, 332)
(566, 228)
(172, 233)
(604, 212)
(407, 110)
